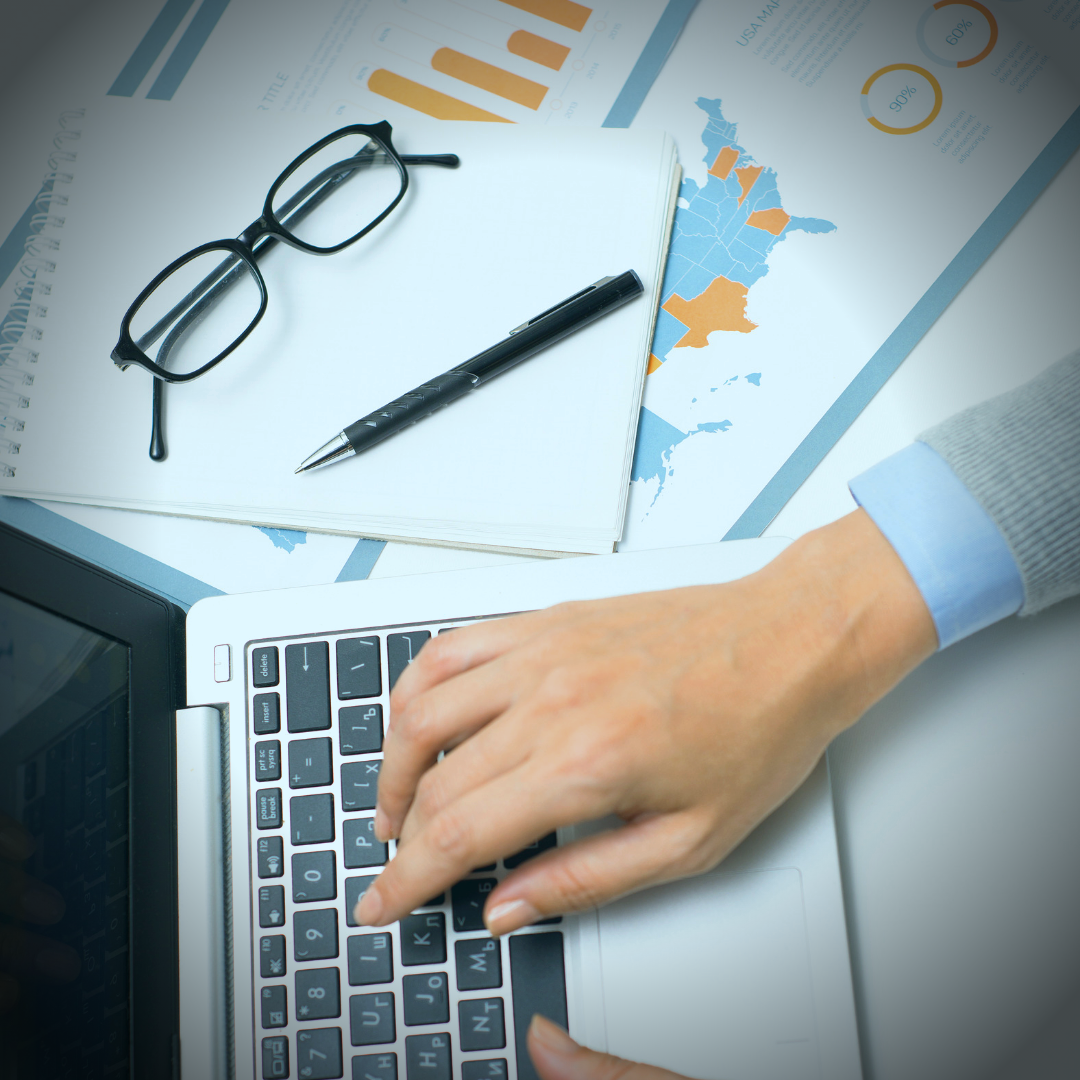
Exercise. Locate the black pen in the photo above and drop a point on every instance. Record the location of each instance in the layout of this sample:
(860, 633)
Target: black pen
(521, 343)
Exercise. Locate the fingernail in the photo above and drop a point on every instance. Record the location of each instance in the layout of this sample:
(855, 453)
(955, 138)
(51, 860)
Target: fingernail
(382, 826)
(58, 963)
(42, 904)
(510, 915)
(551, 1037)
(369, 911)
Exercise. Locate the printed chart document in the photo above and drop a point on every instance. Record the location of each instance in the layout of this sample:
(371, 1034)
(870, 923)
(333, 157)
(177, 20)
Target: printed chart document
(848, 165)
(536, 460)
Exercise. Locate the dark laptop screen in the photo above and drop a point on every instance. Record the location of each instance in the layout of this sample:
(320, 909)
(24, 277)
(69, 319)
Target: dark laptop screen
(64, 847)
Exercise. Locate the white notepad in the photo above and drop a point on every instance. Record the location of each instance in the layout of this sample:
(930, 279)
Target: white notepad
(537, 461)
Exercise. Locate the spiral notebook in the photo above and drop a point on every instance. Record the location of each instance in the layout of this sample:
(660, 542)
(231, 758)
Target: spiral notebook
(537, 461)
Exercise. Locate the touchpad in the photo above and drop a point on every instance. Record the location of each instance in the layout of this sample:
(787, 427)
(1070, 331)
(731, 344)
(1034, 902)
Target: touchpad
(711, 977)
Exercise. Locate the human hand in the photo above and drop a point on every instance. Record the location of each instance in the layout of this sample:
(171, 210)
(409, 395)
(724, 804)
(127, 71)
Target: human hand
(25, 955)
(557, 1057)
(691, 714)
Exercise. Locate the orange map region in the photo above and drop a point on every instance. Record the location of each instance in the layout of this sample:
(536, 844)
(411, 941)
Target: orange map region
(747, 177)
(772, 221)
(722, 306)
(654, 363)
(721, 167)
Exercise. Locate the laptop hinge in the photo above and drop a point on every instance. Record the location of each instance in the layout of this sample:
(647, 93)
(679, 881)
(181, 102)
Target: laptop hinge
(201, 894)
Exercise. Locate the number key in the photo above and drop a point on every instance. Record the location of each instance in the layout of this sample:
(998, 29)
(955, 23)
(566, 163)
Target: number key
(315, 934)
(317, 996)
(314, 876)
(318, 1053)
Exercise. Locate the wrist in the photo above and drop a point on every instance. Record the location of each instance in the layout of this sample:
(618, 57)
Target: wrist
(872, 624)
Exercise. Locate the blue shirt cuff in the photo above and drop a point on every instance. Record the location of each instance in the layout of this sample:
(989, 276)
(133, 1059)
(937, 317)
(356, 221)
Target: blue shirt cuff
(950, 545)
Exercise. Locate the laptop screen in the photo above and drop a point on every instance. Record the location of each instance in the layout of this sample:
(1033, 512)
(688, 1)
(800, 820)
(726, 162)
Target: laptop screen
(64, 852)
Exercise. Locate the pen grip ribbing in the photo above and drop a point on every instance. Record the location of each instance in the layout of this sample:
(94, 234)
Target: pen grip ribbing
(410, 407)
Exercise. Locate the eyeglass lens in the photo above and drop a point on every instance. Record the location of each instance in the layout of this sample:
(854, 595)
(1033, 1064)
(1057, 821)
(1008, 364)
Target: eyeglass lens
(198, 311)
(363, 179)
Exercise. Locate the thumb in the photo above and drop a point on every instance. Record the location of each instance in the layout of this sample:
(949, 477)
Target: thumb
(557, 1057)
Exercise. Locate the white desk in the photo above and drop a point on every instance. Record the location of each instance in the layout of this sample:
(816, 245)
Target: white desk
(958, 796)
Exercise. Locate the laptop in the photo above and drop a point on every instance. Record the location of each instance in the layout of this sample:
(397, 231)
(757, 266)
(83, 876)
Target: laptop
(200, 789)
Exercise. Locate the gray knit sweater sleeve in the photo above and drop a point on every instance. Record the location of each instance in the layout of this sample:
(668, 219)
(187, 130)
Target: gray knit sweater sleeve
(1019, 455)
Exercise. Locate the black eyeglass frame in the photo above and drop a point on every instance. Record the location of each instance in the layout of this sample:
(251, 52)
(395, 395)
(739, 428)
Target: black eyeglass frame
(265, 232)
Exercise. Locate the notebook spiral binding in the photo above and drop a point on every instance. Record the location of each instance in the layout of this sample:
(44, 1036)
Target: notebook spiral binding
(21, 325)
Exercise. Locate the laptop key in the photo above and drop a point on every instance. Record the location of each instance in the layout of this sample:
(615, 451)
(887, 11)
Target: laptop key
(315, 934)
(423, 939)
(361, 847)
(371, 959)
(538, 979)
(264, 666)
(272, 957)
(355, 887)
(271, 856)
(467, 899)
(426, 999)
(375, 1067)
(307, 686)
(371, 1019)
(314, 876)
(360, 729)
(318, 1053)
(268, 808)
(488, 1069)
(359, 670)
(480, 1023)
(266, 714)
(530, 852)
(309, 763)
(267, 761)
(479, 964)
(275, 1058)
(401, 650)
(272, 905)
(274, 1006)
(311, 819)
(427, 1057)
(360, 785)
(317, 995)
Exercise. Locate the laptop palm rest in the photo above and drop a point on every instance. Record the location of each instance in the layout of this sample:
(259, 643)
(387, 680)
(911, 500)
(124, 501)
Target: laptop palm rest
(711, 977)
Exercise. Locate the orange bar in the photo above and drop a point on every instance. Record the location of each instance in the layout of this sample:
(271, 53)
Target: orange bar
(537, 49)
(563, 12)
(489, 77)
(423, 99)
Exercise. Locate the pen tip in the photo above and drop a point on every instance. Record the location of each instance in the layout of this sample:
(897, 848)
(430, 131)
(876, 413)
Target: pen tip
(298, 470)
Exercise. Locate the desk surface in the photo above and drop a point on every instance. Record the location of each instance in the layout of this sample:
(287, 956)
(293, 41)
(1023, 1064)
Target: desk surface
(957, 798)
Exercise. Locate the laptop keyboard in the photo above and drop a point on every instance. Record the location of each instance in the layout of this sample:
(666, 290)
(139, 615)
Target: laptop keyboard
(433, 997)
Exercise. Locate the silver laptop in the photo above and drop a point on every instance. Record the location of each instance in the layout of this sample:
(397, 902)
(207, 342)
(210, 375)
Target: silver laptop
(742, 973)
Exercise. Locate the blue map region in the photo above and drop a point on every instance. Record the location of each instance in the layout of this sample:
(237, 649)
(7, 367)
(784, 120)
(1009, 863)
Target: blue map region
(286, 539)
(711, 237)
(656, 439)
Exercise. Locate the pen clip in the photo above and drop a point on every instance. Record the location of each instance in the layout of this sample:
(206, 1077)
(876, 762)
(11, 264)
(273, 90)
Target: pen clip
(561, 304)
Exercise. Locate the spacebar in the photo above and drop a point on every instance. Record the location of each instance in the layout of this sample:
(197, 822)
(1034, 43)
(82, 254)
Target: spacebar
(539, 986)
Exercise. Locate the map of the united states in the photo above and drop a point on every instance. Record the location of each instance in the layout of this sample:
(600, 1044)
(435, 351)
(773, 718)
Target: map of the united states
(720, 247)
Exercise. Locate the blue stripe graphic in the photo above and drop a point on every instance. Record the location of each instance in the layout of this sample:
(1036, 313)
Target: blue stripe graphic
(649, 63)
(187, 48)
(14, 247)
(362, 560)
(150, 48)
(809, 453)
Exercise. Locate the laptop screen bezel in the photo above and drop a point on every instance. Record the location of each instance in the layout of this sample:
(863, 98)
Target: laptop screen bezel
(152, 628)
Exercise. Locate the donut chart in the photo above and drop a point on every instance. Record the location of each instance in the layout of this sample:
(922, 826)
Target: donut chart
(901, 99)
(957, 33)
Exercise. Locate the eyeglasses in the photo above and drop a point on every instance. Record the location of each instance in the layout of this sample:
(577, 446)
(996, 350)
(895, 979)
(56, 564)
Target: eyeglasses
(204, 304)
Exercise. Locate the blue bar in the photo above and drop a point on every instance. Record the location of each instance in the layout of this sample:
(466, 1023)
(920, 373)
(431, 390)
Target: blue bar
(809, 453)
(187, 48)
(94, 548)
(14, 247)
(649, 63)
(362, 560)
(149, 49)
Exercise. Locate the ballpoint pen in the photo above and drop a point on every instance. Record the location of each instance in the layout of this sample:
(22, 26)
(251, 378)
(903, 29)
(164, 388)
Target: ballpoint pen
(522, 342)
